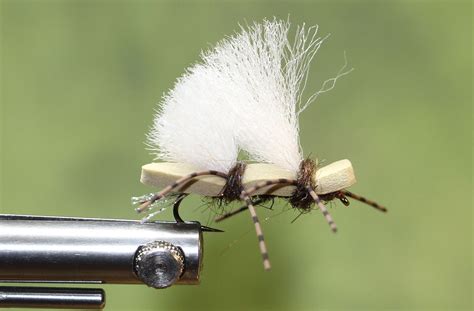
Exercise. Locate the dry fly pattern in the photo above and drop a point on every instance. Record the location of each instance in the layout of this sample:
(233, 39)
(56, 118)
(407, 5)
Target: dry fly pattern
(244, 95)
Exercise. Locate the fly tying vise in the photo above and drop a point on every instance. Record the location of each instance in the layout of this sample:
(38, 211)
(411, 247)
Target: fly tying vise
(245, 95)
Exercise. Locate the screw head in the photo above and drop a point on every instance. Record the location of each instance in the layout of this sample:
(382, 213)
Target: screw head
(158, 264)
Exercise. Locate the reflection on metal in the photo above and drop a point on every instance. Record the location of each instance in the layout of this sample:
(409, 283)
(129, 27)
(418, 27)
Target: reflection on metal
(51, 297)
(159, 264)
(83, 250)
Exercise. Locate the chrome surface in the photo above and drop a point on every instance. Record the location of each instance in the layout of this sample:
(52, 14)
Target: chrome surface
(51, 297)
(86, 250)
(159, 264)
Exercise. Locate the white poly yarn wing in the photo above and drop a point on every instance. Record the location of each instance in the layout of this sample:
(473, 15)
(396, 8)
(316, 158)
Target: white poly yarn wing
(190, 125)
(244, 94)
(267, 74)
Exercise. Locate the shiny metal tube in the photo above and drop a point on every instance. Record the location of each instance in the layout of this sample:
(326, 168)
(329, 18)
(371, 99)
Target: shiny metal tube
(51, 297)
(83, 250)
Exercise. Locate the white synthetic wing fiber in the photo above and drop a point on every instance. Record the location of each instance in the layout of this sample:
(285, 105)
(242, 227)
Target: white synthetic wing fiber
(244, 94)
(191, 127)
(267, 74)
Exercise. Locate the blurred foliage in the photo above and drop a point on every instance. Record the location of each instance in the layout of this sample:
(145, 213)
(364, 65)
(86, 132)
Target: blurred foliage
(80, 80)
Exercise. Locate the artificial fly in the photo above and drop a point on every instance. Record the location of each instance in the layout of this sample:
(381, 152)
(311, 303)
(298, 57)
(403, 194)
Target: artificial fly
(245, 95)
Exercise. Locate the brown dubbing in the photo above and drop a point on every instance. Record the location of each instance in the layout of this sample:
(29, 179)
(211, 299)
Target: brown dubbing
(233, 186)
(300, 198)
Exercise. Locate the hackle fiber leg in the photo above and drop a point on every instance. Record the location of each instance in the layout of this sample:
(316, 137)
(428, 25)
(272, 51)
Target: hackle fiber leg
(364, 200)
(323, 209)
(269, 182)
(258, 230)
(183, 180)
(251, 190)
(230, 214)
(239, 210)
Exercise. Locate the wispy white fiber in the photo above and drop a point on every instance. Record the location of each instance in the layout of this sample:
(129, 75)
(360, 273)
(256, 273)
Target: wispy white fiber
(191, 124)
(245, 94)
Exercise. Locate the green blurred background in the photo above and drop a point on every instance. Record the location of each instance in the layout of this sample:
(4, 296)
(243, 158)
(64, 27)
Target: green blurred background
(80, 80)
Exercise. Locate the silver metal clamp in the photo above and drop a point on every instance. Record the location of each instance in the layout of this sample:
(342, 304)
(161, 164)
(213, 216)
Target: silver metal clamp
(38, 249)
